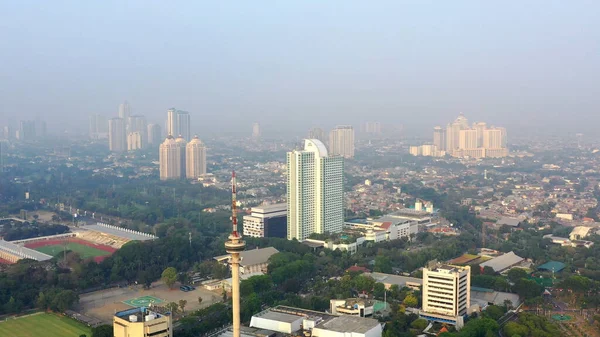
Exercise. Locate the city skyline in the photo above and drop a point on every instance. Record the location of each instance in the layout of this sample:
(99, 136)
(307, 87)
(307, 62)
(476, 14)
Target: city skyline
(444, 65)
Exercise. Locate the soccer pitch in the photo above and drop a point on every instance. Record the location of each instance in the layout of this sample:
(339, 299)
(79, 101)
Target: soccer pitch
(43, 324)
(83, 250)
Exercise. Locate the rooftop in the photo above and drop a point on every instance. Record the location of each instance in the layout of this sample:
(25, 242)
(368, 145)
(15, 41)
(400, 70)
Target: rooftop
(120, 232)
(349, 324)
(503, 262)
(257, 256)
(552, 266)
(23, 252)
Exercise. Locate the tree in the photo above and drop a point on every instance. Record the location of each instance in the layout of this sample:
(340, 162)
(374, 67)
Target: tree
(200, 300)
(169, 276)
(103, 331)
(182, 304)
(383, 264)
(516, 274)
(41, 302)
(411, 301)
(527, 288)
(420, 324)
(494, 312)
(173, 307)
(379, 290)
(487, 270)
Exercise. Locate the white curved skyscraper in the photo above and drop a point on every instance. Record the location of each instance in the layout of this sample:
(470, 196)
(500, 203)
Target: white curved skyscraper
(315, 191)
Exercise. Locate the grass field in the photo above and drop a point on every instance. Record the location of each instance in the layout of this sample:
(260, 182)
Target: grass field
(43, 324)
(83, 250)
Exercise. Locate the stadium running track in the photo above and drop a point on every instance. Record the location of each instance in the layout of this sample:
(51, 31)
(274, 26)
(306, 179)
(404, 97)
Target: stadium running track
(98, 259)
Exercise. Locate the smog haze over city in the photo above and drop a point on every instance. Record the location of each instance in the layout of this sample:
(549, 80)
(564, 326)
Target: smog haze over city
(292, 65)
(299, 168)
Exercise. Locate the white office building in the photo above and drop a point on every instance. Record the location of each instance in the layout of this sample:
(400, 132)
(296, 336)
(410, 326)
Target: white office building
(315, 191)
(446, 293)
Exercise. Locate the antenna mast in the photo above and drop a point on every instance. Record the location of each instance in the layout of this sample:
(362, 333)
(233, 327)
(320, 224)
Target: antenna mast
(234, 206)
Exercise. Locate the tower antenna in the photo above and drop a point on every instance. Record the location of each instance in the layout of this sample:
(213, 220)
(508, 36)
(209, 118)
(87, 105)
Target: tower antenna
(235, 246)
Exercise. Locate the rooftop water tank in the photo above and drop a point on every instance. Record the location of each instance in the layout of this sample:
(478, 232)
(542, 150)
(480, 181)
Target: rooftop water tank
(150, 317)
(132, 318)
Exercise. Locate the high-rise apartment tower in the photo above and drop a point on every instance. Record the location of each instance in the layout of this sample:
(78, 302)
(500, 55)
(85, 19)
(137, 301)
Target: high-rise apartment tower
(315, 191)
(195, 159)
(341, 141)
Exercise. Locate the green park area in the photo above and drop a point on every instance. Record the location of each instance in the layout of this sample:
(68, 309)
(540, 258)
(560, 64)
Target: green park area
(83, 250)
(43, 324)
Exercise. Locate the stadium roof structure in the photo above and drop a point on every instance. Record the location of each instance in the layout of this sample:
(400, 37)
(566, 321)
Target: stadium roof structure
(120, 232)
(23, 252)
(503, 262)
(554, 266)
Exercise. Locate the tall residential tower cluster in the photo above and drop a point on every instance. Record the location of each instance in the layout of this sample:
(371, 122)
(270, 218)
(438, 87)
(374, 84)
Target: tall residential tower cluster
(126, 132)
(459, 139)
(179, 158)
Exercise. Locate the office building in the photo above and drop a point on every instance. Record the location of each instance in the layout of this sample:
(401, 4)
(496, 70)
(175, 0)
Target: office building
(124, 111)
(26, 130)
(178, 123)
(195, 159)
(266, 221)
(446, 293)
(255, 130)
(137, 123)
(154, 134)
(170, 159)
(117, 140)
(98, 128)
(341, 141)
(315, 191)
(134, 141)
(143, 322)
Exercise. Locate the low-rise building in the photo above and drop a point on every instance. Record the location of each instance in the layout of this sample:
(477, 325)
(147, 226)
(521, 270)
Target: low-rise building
(266, 221)
(352, 306)
(298, 322)
(503, 262)
(251, 261)
(142, 322)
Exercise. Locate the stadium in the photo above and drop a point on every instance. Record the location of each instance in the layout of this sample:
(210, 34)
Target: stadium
(91, 241)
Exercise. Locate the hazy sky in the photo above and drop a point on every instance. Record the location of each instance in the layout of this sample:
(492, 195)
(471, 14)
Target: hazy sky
(294, 64)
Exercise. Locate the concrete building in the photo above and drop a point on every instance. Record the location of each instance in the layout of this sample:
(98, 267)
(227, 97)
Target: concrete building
(26, 131)
(439, 138)
(98, 127)
(299, 322)
(124, 111)
(154, 134)
(372, 127)
(352, 307)
(195, 159)
(170, 159)
(134, 141)
(315, 191)
(317, 133)
(266, 221)
(581, 232)
(446, 293)
(255, 130)
(181, 144)
(341, 141)
(138, 124)
(142, 322)
(117, 139)
(178, 123)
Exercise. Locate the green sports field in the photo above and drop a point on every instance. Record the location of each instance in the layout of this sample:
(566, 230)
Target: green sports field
(83, 250)
(43, 324)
